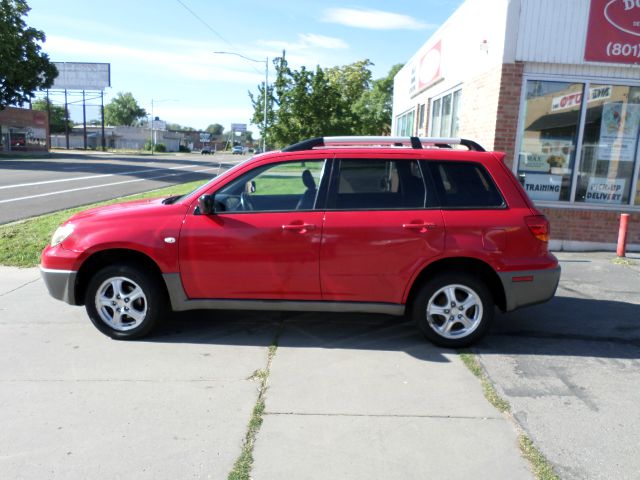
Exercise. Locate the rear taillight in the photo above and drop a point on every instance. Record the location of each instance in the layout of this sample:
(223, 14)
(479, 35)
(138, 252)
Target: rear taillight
(538, 226)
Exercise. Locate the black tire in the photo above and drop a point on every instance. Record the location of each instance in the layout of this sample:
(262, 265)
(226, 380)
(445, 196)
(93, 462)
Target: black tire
(453, 310)
(125, 302)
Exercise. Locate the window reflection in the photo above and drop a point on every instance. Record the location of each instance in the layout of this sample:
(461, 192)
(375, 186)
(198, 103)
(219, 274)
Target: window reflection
(610, 145)
(547, 149)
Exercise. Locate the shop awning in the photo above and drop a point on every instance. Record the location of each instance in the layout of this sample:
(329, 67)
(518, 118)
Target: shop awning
(564, 119)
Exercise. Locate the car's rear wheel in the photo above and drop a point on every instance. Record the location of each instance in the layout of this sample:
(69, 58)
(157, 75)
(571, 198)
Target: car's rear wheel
(125, 302)
(453, 309)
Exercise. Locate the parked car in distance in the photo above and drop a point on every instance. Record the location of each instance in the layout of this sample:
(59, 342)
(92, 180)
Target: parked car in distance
(237, 150)
(396, 225)
(206, 151)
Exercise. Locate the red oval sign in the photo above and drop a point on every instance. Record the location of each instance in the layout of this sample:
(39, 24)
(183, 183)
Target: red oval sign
(624, 15)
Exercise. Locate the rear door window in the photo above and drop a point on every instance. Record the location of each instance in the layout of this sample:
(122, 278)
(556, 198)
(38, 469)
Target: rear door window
(465, 185)
(378, 185)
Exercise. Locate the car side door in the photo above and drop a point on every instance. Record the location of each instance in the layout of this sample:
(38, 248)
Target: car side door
(379, 229)
(262, 241)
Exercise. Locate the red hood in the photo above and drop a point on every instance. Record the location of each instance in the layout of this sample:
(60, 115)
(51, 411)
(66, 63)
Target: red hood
(118, 209)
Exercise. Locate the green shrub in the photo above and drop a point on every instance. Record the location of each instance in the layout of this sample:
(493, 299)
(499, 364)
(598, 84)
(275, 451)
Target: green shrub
(158, 147)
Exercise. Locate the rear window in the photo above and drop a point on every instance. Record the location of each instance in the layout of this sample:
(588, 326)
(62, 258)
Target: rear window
(465, 185)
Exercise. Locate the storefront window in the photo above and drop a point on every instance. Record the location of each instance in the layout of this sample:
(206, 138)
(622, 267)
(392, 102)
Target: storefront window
(404, 125)
(444, 115)
(435, 117)
(421, 118)
(548, 145)
(610, 145)
(455, 124)
(609, 153)
(445, 126)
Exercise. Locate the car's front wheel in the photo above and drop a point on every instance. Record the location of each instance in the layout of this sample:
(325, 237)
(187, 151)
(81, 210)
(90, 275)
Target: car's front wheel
(453, 309)
(125, 302)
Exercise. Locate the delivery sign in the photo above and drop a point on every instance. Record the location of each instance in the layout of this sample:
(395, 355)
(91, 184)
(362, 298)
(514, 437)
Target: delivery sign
(613, 35)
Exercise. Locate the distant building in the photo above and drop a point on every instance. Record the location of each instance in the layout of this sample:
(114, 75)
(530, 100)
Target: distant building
(118, 138)
(23, 130)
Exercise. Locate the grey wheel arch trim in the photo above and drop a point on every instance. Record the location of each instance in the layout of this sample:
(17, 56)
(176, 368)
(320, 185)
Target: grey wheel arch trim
(539, 287)
(180, 302)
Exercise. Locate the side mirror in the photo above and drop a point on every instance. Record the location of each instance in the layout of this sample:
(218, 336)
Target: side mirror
(205, 204)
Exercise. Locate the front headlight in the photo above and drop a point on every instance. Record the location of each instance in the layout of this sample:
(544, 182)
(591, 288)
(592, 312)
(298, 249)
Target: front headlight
(61, 234)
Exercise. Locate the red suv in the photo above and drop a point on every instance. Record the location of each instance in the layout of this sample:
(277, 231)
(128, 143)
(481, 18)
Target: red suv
(437, 229)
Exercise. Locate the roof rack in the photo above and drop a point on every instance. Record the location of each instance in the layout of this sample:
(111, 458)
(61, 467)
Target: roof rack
(411, 142)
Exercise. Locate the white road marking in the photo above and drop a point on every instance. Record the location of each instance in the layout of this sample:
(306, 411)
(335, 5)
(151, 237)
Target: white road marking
(98, 186)
(45, 182)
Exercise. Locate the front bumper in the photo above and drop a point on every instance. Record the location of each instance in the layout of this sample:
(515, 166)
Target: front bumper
(529, 287)
(60, 283)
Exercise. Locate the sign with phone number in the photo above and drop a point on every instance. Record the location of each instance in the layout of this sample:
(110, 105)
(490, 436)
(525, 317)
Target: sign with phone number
(623, 50)
(613, 35)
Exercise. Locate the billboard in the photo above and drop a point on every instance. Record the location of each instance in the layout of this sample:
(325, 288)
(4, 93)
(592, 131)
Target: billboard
(82, 76)
(613, 34)
(239, 127)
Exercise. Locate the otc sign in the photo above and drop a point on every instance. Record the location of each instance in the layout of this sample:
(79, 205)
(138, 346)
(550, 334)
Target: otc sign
(614, 32)
(238, 127)
(575, 99)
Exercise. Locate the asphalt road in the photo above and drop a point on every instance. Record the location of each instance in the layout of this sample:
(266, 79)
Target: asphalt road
(34, 186)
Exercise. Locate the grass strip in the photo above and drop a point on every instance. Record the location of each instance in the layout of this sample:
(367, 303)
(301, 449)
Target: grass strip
(490, 393)
(243, 465)
(22, 242)
(540, 466)
(542, 469)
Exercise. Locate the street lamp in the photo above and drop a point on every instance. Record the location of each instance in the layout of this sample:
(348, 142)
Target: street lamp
(266, 82)
(153, 138)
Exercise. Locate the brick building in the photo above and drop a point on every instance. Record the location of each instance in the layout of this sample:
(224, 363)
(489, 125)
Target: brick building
(23, 130)
(555, 85)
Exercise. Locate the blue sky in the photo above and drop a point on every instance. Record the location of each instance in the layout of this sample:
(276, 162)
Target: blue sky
(163, 50)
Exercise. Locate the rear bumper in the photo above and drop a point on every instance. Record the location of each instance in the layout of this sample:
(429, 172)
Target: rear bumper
(60, 283)
(528, 287)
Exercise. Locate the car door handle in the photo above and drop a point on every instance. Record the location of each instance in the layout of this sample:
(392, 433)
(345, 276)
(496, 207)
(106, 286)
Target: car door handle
(299, 226)
(419, 226)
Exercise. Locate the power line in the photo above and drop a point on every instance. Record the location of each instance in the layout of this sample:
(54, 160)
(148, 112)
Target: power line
(210, 28)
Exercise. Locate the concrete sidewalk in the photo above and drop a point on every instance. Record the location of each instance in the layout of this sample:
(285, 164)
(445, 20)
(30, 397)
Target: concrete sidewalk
(349, 396)
(363, 398)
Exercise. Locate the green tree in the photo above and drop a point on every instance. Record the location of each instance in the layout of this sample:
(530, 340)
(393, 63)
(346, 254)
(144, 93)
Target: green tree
(123, 110)
(336, 101)
(24, 69)
(57, 117)
(373, 109)
(300, 104)
(215, 129)
(351, 81)
(179, 128)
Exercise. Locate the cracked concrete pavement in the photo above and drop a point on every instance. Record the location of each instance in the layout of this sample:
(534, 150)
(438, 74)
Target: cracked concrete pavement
(349, 396)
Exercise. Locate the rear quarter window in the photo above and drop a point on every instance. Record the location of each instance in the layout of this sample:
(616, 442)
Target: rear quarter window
(465, 185)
